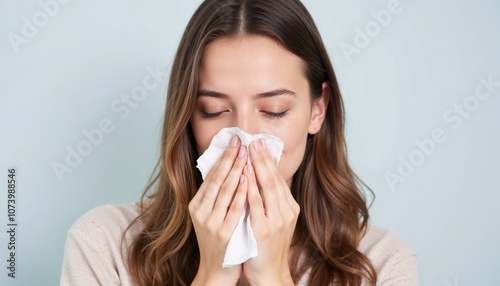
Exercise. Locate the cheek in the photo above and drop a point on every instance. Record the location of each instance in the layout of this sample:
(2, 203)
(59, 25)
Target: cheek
(293, 152)
(203, 135)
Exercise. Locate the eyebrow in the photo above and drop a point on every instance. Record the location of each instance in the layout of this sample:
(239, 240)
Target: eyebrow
(274, 92)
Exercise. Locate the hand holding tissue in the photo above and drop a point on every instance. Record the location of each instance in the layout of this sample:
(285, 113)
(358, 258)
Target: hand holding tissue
(242, 244)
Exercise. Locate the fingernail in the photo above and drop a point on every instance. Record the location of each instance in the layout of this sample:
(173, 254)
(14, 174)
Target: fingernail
(256, 146)
(263, 144)
(250, 169)
(243, 152)
(234, 141)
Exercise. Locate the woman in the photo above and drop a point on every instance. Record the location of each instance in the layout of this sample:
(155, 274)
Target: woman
(260, 66)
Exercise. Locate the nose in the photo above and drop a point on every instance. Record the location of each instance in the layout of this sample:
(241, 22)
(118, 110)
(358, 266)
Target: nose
(247, 122)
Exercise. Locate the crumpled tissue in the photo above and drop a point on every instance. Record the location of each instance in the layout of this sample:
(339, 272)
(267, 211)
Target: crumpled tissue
(242, 244)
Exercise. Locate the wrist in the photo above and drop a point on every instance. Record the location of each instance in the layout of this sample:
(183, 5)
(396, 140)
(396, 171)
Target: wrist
(275, 280)
(214, 279)
(211, 282)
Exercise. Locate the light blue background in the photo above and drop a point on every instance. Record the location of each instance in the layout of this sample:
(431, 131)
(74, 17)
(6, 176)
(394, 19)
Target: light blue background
(66, 78)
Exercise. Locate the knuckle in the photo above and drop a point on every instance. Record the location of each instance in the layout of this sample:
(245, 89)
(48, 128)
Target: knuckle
(226, 191)
(223, 190)
(218, 178)
(210, 226)
(196, 219)
(193, 211)
(264, 233)
(291, 218)
(222, 235)
(280, 224)
(267, 183)
(254, 199)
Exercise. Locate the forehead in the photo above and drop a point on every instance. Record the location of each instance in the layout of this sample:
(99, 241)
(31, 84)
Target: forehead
(249, 60)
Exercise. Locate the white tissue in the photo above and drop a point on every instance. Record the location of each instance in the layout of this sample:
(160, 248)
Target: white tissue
(242, 245)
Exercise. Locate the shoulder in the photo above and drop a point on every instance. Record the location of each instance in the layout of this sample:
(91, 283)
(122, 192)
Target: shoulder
(94, 253)
(107, 218)
(394, 260)
(378, 240)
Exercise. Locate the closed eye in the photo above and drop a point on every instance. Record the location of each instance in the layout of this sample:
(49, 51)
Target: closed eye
(210, 114)
(276, 114)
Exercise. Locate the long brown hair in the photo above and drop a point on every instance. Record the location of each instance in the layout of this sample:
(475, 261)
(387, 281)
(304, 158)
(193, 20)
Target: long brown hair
(334, 214)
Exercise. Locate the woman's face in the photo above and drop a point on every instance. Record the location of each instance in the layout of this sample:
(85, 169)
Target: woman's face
(253, 83)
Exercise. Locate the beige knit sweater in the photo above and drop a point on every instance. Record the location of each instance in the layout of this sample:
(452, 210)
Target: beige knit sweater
(93, 257)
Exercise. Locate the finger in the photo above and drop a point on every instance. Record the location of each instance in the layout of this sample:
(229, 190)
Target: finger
(198, 197)
(228, 188)
(237, 206)
(288, 207)
(271, 165)
(267, 177)
(210, 187)
(255, 202)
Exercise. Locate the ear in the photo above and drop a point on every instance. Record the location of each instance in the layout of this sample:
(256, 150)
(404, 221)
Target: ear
(319, 110)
